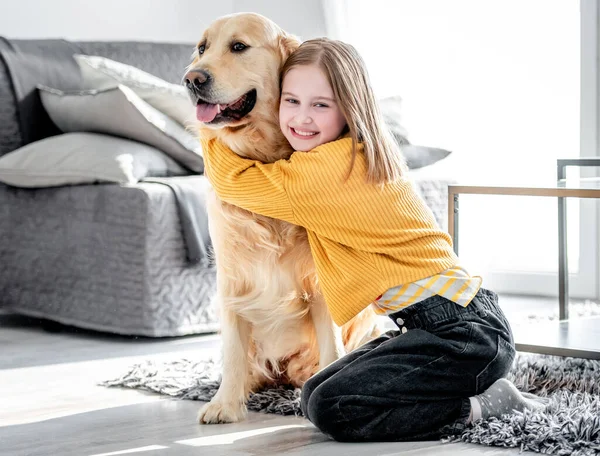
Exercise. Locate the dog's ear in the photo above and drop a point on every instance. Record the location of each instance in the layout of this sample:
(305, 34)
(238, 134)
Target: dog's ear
(287, 44)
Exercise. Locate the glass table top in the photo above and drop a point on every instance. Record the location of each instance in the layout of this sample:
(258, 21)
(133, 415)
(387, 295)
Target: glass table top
(576, 187)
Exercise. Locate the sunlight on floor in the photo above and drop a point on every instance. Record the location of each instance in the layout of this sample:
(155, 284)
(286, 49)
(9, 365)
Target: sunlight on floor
(59, 390)
(228, 439)
(133, 450)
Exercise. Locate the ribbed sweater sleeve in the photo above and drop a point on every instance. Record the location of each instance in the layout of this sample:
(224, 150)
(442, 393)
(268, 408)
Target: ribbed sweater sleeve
(249, 184)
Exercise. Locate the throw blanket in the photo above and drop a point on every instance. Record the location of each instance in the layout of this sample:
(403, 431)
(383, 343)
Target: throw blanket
(33, 62)
(191, 202)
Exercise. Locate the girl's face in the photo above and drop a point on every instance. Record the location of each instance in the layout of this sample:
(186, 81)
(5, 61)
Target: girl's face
(308, 112)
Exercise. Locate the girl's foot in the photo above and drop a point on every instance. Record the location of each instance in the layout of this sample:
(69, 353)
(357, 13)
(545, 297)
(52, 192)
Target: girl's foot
(503, 397)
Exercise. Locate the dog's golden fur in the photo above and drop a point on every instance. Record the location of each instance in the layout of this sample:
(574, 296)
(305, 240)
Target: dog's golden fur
(275, 325)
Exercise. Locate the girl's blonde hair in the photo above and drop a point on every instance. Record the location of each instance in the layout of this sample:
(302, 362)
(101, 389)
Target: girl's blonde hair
(349, 79)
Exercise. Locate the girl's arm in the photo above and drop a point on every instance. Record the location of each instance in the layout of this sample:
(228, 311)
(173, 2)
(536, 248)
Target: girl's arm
(310, 189)
(250, 184)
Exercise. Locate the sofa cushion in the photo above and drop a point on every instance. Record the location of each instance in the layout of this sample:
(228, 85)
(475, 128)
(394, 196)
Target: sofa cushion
(421, 156)
(119, 111)
(84, 158)
(164, 60)
(171, 99)
(416, 156)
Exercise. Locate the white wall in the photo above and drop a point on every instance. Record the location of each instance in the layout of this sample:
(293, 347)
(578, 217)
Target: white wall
(303, 18)
(146, 20)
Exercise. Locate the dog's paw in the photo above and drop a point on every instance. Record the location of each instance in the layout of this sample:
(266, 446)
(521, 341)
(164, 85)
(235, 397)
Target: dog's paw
(222, 412)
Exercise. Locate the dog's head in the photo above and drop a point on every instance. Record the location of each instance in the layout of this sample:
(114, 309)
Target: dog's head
(234, 77)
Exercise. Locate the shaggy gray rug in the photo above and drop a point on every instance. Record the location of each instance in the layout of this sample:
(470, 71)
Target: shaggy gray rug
(569, 426)
(199, 381)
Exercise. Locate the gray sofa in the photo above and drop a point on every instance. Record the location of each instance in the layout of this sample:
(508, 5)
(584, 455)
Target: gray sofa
(108, 257)
(103, 257)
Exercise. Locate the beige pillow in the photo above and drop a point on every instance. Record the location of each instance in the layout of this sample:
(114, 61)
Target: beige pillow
(120, 112)
(84, 158)
(171, 99)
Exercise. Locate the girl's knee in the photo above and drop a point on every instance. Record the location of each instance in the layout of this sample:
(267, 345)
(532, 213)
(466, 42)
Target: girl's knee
(307, 391)
(306, 394)
(322, 408)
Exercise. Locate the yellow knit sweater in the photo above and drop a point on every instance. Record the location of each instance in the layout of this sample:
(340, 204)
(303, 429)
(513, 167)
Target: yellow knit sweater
(364, 238)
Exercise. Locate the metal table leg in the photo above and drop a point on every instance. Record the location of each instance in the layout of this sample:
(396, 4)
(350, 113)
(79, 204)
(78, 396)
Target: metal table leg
(453, 219)
(563, 266)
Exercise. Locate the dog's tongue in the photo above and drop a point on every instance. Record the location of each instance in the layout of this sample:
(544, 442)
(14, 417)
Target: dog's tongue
(206, 112)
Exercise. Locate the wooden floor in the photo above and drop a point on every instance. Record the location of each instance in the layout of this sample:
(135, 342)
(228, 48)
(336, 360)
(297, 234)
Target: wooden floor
(50, 404)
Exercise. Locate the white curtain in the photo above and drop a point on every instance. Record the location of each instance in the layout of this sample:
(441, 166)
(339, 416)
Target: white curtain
(498, 83)
(337, 19)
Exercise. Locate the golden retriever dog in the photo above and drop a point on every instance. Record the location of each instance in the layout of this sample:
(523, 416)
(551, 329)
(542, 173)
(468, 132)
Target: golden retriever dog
(275, 326)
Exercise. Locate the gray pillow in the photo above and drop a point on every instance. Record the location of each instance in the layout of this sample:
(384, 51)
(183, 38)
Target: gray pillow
(84, 158)
(416, 156)
(119, 111)
(171, 99)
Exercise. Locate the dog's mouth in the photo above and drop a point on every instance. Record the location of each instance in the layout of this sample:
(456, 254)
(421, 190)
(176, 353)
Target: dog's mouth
(210, 113)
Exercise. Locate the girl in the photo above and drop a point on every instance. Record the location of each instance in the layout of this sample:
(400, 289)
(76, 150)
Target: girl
(375, 242)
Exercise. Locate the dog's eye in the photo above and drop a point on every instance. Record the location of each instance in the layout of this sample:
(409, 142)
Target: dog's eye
(238, 47)
(201, 49)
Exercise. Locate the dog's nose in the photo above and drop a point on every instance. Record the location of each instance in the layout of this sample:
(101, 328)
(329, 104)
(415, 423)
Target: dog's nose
(195, 79)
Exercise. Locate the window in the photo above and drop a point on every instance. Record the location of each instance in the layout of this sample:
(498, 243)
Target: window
(509, 86)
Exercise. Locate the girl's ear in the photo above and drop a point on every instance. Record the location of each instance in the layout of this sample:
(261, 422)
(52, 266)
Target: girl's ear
(287, 45)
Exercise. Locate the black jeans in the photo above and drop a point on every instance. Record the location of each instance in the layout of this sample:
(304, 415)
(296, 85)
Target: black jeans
(414, 383)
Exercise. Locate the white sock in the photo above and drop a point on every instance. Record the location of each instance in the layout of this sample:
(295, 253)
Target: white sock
(502, 398)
